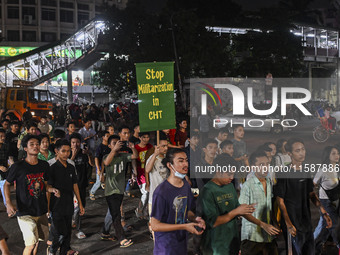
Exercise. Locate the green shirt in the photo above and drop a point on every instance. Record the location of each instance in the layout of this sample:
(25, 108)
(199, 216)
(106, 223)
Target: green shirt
(115, 174)
(50, 156)
(252, 192)
(216, 201)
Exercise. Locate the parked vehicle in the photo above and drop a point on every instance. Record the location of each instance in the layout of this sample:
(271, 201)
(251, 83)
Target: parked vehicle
(17, 99)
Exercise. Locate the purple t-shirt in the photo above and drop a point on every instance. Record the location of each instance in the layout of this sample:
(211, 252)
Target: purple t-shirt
(171, 205)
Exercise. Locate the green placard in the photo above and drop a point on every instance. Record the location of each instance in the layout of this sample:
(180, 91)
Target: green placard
(14, 51)
(155, 89)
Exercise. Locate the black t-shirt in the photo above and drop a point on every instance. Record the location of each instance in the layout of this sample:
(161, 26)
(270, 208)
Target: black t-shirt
(101, 151)
(134, 140)
(62, 178)
(82, 164)
(30, 190)
(12, 141)
(295, 192)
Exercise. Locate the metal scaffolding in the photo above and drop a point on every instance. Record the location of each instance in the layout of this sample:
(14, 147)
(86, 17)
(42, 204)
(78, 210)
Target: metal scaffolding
(44, 63)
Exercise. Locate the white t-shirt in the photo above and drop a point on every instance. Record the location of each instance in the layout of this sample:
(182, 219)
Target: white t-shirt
(158, 174)
(326, 180)
(282, 159)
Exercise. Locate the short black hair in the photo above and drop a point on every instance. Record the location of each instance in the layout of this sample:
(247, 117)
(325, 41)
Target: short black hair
(4, 120)
(109, 125)
(290, 142)
(208, 141)
(86, 120)
(143, 133)
(14, 122)
(225, 160)
(162, 136)
(28, 137)
(181, 119)
(237, 126)
(255, 155)
(75, 136)
(135, 125)
(194, 134)
(70, 123)
(223, 131)
(60, 143)
(113, 137)
(225, 143)
(43, 135)
(123, 127)
(103, 133)
(30, 124)
(59, 134)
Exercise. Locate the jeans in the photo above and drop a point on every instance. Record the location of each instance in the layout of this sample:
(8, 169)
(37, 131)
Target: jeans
(114, 201)
(321, 233)
(61, 231)
(76, 215)
(303, 243)
(143, 205)
(96, 185)
(107, 223)
(2, 183)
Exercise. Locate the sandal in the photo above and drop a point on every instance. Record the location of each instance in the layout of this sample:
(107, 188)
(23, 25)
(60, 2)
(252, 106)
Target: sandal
(126, 243)
(80, 235)
(72, 252)
(108, 237)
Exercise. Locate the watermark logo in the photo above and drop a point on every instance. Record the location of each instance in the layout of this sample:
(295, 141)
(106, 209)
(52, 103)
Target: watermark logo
(204, 97)
(239, 99)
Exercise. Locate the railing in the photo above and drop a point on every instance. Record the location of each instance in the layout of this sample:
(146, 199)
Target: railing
(45, 62)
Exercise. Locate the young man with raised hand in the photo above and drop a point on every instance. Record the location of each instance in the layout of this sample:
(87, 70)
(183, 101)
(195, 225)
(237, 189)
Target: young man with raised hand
(155, 171)
(31, 187)
(171, 208)
(115, 165)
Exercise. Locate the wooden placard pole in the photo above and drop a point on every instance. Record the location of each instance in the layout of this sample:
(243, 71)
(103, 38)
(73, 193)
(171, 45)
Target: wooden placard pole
(157, 137)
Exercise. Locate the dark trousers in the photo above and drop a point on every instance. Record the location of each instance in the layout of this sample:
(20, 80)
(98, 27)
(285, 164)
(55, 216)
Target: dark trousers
(321, 233)
(114, 202)
(76, 216)
(302, 243)
(255, 248)
(61, 231)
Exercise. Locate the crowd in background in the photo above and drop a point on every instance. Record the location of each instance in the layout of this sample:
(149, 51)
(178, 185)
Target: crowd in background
(52, 173)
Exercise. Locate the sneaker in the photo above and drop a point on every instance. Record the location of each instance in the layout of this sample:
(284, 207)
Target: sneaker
(102, 185)
(92, 197)
(80, 235)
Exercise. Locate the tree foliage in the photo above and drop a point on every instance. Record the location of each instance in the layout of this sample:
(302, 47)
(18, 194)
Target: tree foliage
(135, 35)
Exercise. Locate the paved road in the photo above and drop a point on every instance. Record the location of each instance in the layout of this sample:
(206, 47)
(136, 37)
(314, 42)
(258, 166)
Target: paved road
(95, 210)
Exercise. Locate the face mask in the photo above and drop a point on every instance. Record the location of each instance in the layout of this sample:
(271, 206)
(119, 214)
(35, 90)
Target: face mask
(177, 174)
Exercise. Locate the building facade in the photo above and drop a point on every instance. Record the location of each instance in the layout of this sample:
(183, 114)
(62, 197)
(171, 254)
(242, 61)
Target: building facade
(33, 23)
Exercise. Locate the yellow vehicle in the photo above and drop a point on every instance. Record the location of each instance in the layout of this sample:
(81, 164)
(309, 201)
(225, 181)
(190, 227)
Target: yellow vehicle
(17, 99)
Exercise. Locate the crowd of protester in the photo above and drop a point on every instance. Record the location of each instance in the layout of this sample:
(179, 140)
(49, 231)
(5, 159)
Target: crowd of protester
(51, 171)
